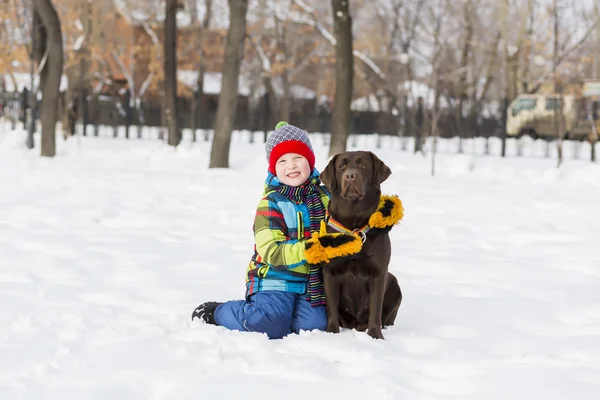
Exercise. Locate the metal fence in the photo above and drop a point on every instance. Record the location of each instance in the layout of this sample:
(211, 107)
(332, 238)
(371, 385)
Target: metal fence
(117, 111)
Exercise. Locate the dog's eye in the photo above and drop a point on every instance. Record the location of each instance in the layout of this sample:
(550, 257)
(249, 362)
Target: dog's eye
(343, 166)
(362, 165)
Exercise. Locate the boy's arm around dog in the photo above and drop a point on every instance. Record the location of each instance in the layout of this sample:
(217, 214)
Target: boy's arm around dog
(278, 251)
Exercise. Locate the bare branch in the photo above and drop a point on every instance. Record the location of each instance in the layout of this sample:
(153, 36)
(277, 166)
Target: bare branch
(304, 61)
(125, 72)
(264, 60)
(330, 38)
(566, 54)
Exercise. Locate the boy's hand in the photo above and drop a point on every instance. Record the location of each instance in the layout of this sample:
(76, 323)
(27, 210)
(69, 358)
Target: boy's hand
(323, 247)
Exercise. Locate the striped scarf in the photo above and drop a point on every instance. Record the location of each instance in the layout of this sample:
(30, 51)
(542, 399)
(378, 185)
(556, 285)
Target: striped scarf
(308, 194)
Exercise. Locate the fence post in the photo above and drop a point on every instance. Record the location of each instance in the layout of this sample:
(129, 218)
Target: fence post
(503, 125)
(419, 126)
(128, 113)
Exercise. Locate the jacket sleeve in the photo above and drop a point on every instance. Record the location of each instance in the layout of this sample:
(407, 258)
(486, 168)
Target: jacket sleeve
(272, 240)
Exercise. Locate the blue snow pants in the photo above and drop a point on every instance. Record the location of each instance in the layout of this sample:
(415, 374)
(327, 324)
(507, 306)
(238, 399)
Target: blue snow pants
(273, 312)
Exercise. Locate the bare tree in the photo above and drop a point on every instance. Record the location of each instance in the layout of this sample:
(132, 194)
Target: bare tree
(284, 49)
(574, 38)
(271, 46)
(344, 70)
(558, 115)
(595, 135)
(593, 138)
(84, 63)
(265, 59)
(170, 48)
(438, 11)
(50, 56)
(398, 25)
(234, 52)
(197, 107)
(461, 83)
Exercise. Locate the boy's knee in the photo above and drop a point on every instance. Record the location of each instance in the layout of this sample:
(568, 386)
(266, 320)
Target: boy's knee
(275, 328)
(272, 315)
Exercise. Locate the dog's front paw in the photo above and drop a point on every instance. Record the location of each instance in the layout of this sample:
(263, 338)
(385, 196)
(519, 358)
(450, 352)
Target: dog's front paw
(375, 333)
(333, 328)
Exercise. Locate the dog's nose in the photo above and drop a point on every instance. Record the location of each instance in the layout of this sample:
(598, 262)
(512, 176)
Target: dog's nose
(350, 176)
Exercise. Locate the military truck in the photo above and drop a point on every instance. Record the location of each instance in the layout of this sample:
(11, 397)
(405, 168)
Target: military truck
(536, 115)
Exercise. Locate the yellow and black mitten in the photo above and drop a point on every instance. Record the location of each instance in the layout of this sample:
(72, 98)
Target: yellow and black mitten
(323, 247)
(389, 212)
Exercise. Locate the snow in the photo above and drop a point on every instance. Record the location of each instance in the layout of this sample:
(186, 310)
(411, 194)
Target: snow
(140, 12)
(296, 91)
(415, 89)
(212, 85)
(212, 81)
(106, 249)
(366, 103)
(23, 80)
(78, 43)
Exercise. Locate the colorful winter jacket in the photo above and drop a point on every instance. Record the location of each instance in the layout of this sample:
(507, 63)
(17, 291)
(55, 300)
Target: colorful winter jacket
(281, 227)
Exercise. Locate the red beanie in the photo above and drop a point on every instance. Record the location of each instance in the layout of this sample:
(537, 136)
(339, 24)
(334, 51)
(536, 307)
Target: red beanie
(288, 139)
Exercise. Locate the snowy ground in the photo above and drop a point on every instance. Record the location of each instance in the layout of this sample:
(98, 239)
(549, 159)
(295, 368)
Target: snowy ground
(106, 249)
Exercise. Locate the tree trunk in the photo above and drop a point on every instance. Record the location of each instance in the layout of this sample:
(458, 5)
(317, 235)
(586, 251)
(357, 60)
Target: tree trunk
(558, 111)
(435, 116)
(50, 74)
(272, 104)
(192, 6)
(528, 43)
(462, 79)
(234, 52)
(96, 112)
(197, 107)
(128, 113)
(84, 67)
(504, 10)
(84, 109)
(266, 114)
(174, 132)
(284, 108)
(81, 97)
(344, 71)
(193, 109)
(140, 119)
(203, 118)
(419, 118)
(36, 36)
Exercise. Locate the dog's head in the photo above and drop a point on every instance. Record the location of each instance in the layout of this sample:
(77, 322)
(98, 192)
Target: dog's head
(354, 174)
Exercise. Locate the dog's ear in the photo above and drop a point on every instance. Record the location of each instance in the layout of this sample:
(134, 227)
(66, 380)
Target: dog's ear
(328, 177)
(380, 171)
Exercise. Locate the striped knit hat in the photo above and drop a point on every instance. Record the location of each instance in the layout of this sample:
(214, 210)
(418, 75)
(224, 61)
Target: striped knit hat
(288, 139)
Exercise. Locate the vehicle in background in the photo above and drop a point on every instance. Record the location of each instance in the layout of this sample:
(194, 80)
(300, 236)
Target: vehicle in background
(537, 115)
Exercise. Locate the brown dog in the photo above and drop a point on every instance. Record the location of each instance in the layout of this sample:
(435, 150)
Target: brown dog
(361, 294)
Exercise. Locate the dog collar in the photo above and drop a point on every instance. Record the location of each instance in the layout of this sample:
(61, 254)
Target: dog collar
(335, 225)
(389, 212)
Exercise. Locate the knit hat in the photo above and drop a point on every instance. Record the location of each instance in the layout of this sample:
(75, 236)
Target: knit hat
(288, 139)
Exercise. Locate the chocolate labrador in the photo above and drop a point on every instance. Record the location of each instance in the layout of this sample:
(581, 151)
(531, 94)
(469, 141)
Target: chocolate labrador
(361, 293)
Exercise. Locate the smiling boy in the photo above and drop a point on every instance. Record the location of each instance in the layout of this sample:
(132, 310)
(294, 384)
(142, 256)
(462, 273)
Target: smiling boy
(284, 294)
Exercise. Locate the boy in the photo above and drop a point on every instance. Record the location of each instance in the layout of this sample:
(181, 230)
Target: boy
(284, 293)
